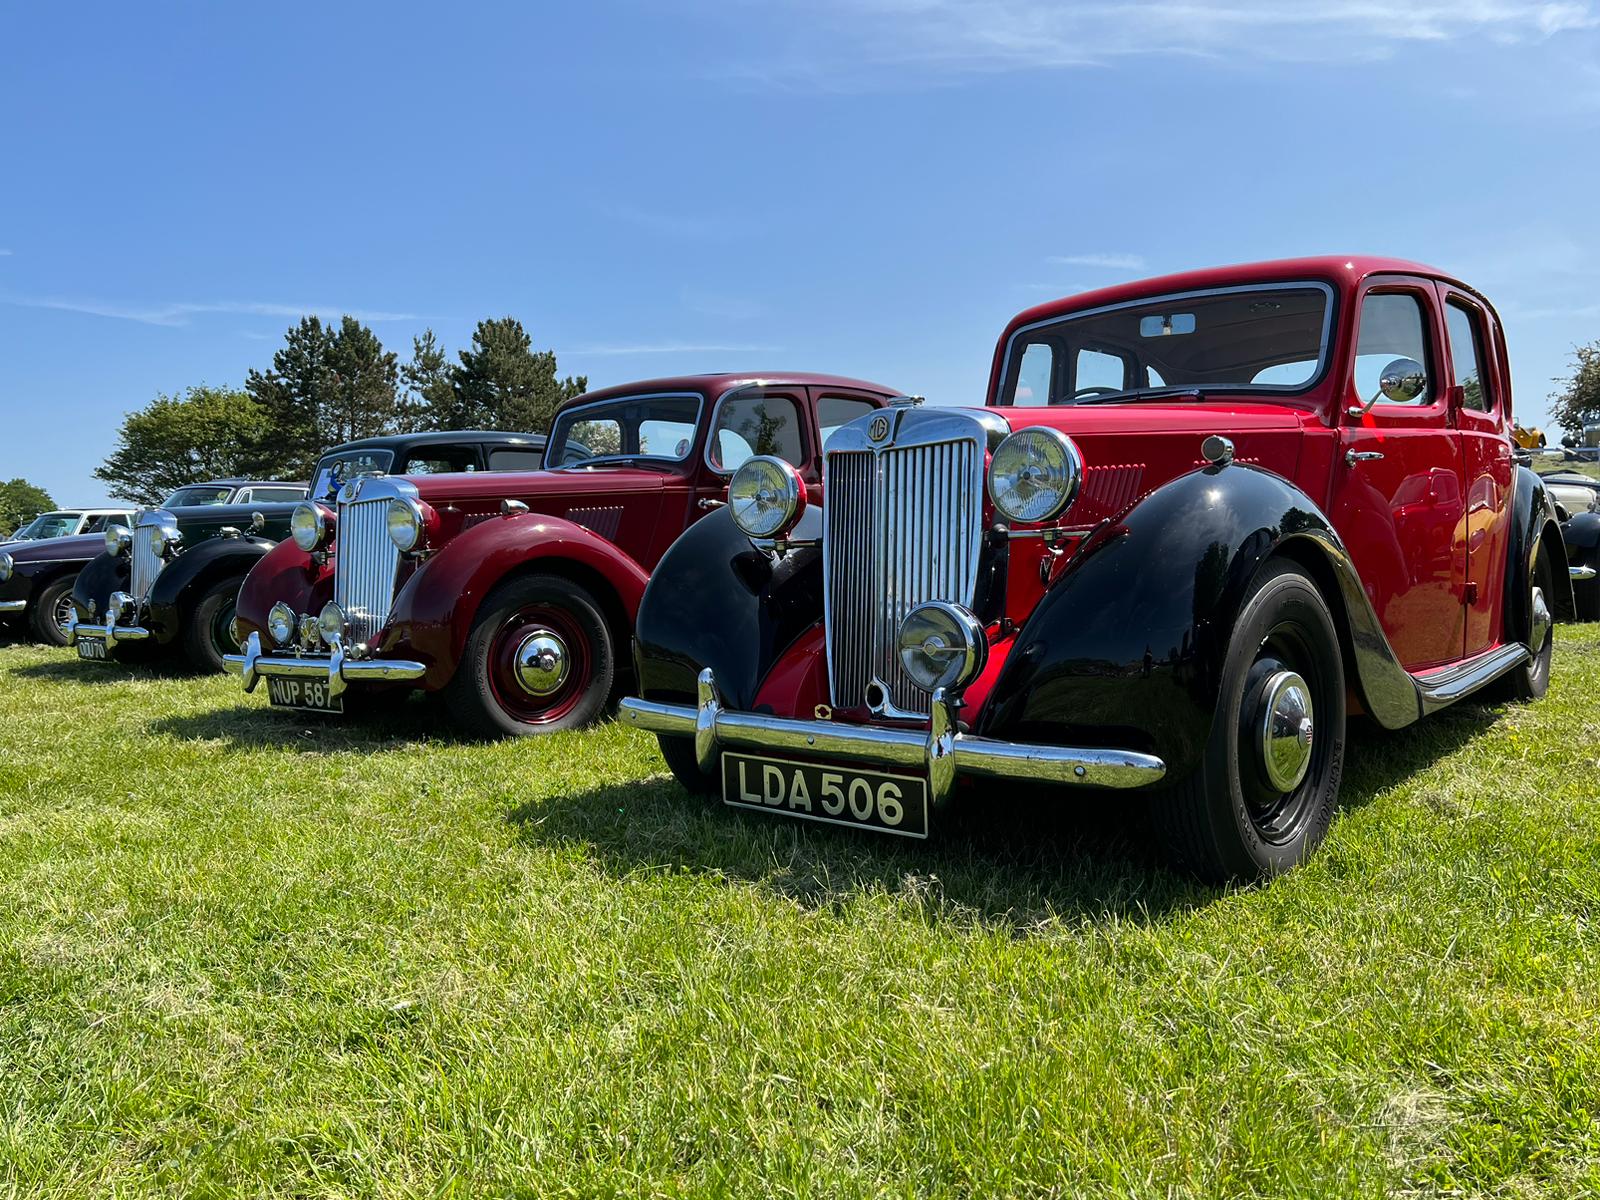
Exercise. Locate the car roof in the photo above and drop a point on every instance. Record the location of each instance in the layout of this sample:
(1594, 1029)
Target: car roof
(715, 384)
(1343, 270)
(437, 437)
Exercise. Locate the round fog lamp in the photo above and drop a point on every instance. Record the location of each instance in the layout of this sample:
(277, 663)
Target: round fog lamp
(942, 646)
(307, 526)
(117, 539)
(405, 525)
(766, 497)
(1035, 474)
(332, 623)
(280, 623)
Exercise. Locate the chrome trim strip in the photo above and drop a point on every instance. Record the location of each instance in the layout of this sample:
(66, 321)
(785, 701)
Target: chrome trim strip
(1278, 389)
(1582, 574)
(252, 666)
(700, 407)
(1460, 681)
(939, 750)
(12, 605)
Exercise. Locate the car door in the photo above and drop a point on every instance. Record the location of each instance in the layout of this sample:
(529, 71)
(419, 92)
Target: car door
(1478, 401)
(747, 421)
(1397, 496)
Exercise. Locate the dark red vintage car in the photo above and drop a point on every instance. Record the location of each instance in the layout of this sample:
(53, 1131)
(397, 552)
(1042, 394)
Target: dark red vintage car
(514, 594)
(1201, 519)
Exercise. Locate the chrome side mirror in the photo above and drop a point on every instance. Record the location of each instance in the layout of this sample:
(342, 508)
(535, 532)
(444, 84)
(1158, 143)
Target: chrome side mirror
(1401, 382)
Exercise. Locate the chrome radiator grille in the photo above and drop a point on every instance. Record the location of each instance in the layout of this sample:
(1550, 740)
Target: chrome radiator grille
(146, 564)
(902, 525)
(365, 565)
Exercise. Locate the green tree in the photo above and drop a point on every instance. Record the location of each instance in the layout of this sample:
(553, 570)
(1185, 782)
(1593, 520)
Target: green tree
(21, 502)
(363, 380)
(290, 396)
(1578, 401)
(206, 433)
(502, 383)
(430, 396)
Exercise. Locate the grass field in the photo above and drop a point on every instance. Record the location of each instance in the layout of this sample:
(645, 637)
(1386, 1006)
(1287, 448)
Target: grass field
(244, 952)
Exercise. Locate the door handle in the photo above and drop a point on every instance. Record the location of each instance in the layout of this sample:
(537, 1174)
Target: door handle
(707, 504)
(1352, 457)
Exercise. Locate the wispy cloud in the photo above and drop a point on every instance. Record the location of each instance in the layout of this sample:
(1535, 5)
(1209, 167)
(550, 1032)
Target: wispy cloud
(832, 40)
(666, 348)
(1108, 262)
(182, 313)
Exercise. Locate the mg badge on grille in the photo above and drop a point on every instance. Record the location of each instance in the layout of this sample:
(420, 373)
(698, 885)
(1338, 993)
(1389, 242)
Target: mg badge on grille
(879, 429)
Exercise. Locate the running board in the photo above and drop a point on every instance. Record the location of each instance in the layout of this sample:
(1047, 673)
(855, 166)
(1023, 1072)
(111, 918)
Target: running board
(1458, 682)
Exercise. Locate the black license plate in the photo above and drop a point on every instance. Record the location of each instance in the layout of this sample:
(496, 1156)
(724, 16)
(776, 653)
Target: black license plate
(312, 694)
(837, 795)
(92, 648)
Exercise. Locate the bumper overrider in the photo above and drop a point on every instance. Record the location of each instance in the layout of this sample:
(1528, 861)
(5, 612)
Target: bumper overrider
(335, 666)
(112, 631)
(12, 606)
(942, 751)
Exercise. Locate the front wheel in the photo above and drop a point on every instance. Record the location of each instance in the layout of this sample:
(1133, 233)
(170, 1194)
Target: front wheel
(208, 634)
(1264, 794)
(539, 659)
(1531, 680)
(52, 610)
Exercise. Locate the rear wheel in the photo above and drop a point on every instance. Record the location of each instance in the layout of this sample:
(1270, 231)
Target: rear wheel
(685, 767)
(207, 636)
(1531, 680)
(539, 659)
(1264, 794)
(51, 610)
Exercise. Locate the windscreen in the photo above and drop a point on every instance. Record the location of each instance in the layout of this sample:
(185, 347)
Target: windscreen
(1237, 339)
(191, 497)
(654, 427)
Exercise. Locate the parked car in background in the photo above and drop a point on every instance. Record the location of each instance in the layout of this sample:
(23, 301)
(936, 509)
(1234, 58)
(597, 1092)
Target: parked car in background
(171, 582)
(69, 522)
(36, 579)
(1572, 492)
(216, 493)
(1201, 519)
(439, 453)
(513, 595)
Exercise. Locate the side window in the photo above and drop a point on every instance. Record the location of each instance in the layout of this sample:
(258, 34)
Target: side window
(1463, 327)
(276, 495)
(1097, 370)
(515, 458)
(95, 525)
(833, 412)
(1392, 326)
(751, 425)
(242, 496)
(440, 460)
(1034, 375)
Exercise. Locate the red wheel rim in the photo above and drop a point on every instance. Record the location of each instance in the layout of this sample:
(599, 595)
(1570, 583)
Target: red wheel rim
(505, 681)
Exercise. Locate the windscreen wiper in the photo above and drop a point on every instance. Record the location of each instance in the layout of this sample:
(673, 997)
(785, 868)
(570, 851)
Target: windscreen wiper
(1134, 395)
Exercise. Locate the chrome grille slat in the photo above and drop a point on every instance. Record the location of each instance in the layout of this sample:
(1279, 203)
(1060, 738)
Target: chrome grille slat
(902, 526)
(365, 566)
(146, 564)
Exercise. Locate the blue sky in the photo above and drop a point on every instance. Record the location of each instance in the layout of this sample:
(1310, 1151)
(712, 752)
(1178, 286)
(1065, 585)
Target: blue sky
(863, 186)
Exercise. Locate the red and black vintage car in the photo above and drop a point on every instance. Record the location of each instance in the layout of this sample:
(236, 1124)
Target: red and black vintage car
(1200, 520)
(513, 595)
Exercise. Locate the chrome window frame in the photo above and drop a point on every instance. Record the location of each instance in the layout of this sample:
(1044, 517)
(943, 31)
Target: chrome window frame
(736, 392)
(550, 442)
(1324, 347)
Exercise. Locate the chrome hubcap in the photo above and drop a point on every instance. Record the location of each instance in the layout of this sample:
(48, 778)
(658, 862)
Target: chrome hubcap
(1287, 730)
(542, 663)
(1539, 627)
(64, 612)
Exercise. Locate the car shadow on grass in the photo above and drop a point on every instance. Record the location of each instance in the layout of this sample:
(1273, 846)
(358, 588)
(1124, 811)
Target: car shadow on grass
(66, 667)
(248, 725)
(1021, 859)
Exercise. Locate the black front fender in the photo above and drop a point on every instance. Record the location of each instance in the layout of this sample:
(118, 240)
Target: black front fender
(1534, 525)
(101, 575)
(185, 579)
(716, 601)
(1127, 647)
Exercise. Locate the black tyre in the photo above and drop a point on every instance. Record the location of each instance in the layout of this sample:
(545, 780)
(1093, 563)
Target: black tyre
(1264, 795)
(1531, 680)
(679, 753)
(539, 659)
(48, 614)
(205, 636)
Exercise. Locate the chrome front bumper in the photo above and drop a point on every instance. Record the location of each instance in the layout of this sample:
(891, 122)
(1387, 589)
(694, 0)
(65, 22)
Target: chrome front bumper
(8, 606)
(252, 666)
(942, 750)
(111, 633)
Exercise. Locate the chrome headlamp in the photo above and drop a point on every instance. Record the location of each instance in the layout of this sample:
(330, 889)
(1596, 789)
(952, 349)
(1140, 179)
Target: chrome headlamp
(7, 565)
(942, 645)
(333, 624)
(309, 526)
(1035, 474)
(118, 539)
(766, 497)
(165, 538)
(406, 523)
(281, 623)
